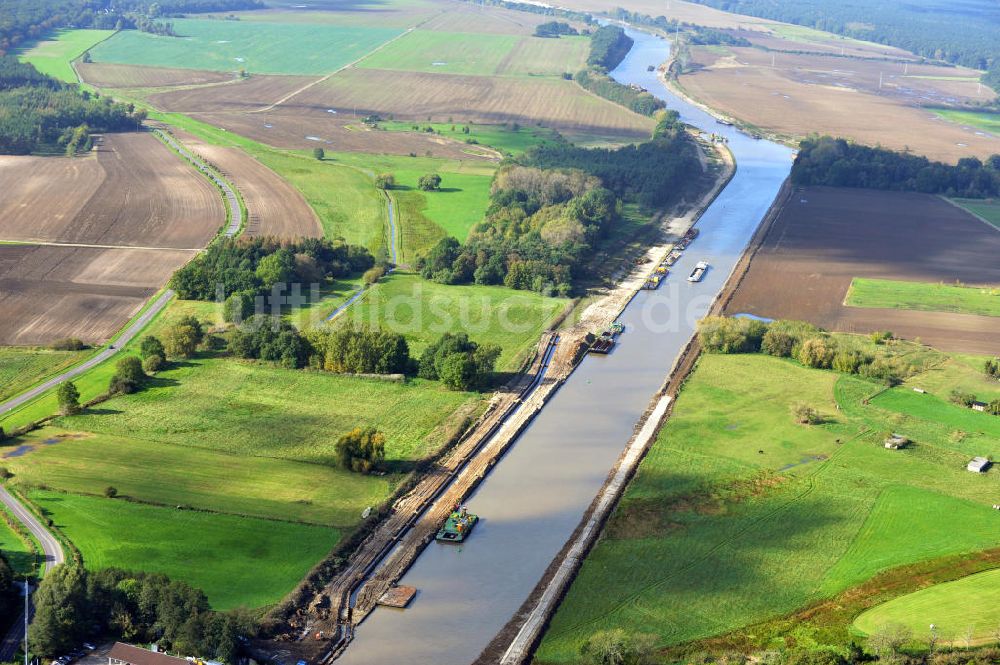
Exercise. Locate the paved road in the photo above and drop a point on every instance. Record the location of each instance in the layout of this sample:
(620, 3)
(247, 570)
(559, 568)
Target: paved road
(136, 326)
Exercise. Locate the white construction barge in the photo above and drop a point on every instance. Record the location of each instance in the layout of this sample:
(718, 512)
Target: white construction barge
(699, 271)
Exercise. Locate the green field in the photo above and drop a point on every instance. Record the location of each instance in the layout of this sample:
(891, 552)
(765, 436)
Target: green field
(499, 137)
(925, 297)
(738, 515)
(55, 56)
(424, 310)
(257, 47)
(237, 561)
(266, 487)
(987, 209)
(987, 122)
(954, 608)
(22, 368)
(443, 53)
(22, 559)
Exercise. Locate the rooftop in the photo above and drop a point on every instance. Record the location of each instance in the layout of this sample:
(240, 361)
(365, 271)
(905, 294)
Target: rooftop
(139, 656)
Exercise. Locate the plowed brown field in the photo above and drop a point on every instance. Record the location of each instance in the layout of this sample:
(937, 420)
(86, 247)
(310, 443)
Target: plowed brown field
(49, 293)
(108, 75)
(274, 208)
(133, 192)
(825, 237)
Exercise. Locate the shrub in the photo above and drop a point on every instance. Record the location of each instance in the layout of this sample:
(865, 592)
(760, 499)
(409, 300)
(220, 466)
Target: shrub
(373, 275)
(962, 399)
(5, 473)
(68, 344)
(152, 364)
(129, 376)
(850, 362)
(319, 153)
(110, 492)
(458, 362)
(271, 338)
(385, 181)
(816, 352)
(361, 351)
(616, 647)
(886, 370)
(69, 398)
(429, 182)
(182, 339)
(731, 335)
(361, 450)
(992, 367)
(151, 346)
(805, 414)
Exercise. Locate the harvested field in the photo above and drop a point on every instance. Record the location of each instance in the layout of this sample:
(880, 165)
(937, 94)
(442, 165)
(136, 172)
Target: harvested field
(794, 102)
(535, 56)
(49, 293)
(107, 75)
(825, 237)
(830, 44)
(135, 192)
(416, 96)
(247, 95)
(274, 207)
(467, 17)
(443, 52)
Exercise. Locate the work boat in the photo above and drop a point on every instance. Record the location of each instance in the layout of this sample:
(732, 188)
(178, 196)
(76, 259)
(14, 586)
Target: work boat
(698, 272)
(457, 526)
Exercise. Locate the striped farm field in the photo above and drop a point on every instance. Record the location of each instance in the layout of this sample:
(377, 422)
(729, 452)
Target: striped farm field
(443, 52)
(55, 56)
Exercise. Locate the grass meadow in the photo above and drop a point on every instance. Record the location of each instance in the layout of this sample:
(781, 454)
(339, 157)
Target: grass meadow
(237, 561)
(443, 53)
(22, 559)
(424, 310)
(987, 122)
(987, 209)
(55, 56)
(971, 604)
(499, 137)
(258, 47)
(21, 368)
(738, 515)
(925, 297)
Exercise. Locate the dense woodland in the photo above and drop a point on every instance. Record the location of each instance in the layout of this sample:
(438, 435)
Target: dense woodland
(23, 21)
(965, 33)
(73, 604)
(549, 212)
(840, 163)
(244, 268)
(39, 113)
(608, 47)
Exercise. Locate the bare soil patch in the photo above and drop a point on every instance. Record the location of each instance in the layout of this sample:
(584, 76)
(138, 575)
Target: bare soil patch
(132, 192)
(248, 95)
(109, 75)
(49, 293)
(838, 100)
(555, 103)
(824, 237)
(274, 207)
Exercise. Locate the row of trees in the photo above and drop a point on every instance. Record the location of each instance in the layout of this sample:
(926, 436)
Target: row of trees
(73, 605)
(801, 341)
(608, 47)
(37, 112)
(554, 29)
(839, 163)
(245, 267)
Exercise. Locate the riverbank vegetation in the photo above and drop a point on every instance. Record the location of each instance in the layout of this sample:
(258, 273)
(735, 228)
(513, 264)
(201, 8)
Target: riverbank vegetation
(608, 47)
(740, 515)
(840, 163)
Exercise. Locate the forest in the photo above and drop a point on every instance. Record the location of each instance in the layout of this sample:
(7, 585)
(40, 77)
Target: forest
(963, 33)
(608, 47)
(37, 112)
(840, 163)
(23, 21)
(550, 210)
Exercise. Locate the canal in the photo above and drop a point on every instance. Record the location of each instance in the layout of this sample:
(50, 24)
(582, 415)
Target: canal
(536, 495)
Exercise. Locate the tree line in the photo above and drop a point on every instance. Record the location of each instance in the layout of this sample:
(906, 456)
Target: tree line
(38, 112)
(550, 208)
(554, 29)
(73, 604)
(840, 163)
(608, 47)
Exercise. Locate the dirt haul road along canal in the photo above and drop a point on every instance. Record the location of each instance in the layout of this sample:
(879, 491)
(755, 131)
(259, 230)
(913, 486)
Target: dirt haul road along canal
(535, 497)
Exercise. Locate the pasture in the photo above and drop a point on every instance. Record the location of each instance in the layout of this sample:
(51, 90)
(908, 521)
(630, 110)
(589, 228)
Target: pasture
(504, 138)
(21, 368)
(920, 296)
(443, 52)
(236, 561)
(969, 607)
(987, 122)
(824, 238)
(257, 47)
(423, 310)
(22, 559)
(987, 210)
(738, 515)
(55, 56)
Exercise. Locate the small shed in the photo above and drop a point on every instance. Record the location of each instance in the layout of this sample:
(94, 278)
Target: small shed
(896, 441)
(979, 465)
(979, 406)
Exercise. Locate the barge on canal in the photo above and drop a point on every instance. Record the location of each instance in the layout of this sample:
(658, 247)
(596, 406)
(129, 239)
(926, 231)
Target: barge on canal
(457, 527)
(699, 271)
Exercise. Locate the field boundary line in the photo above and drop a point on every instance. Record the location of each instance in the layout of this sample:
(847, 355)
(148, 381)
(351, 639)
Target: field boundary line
(966, 210)
(44, 243)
